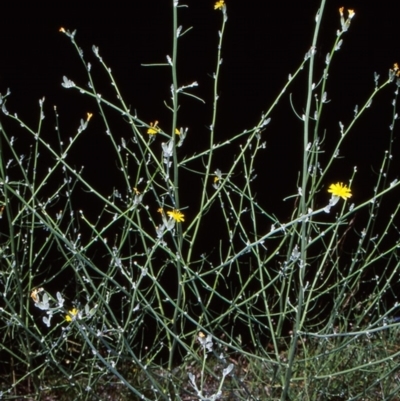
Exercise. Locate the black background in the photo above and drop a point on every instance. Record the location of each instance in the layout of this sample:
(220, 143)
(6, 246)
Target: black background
(265, 41)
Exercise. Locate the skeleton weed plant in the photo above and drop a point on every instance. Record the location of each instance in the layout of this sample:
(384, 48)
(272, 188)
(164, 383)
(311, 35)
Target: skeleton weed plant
(123, 298)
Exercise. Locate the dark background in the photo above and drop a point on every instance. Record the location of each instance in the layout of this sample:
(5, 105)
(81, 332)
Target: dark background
(264, 42)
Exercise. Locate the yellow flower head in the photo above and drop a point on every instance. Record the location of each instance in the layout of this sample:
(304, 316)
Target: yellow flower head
(350, 12)
(219, 4)
(340, 190)
(71, 315)
(34, 294)
(176, 215)
(395, 70)
(153, 128)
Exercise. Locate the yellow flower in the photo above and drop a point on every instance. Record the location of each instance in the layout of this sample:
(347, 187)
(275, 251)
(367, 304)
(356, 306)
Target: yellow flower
(89, 116)
(219, 4)
(396, 70)
(340, 190)
(153, 128)
(35, 292)
(350, 11)
(71, 315)
(176, 215)
(177, 132)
